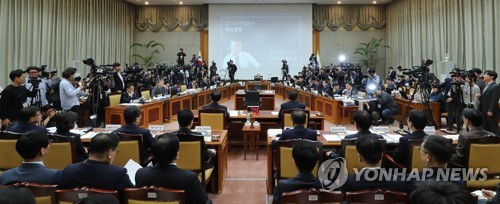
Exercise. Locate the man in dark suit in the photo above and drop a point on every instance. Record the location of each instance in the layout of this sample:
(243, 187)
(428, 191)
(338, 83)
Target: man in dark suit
(30, 117)
(436, 191)
(192, 84)
(417, 120)
(133, 116)
(213, 81)
(32, 147)
(391, 74)
(180, 57)
(472, 120)
(370, 152)
(204, 82)
(118, 79)
(292, 104)
(129, 95)
(363, 122)
(488, 102)
(97, 171)
(215, 103)
(388, 106)
(166, 174)
(299, 131)
(185, 120)
(305, 156)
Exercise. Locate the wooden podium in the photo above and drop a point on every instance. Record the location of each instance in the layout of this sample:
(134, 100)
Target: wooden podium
(151, 114)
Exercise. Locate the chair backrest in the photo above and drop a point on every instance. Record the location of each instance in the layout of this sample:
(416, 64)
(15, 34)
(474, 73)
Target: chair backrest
(252, 98)
(476, 150)
(74, 195)
(114, 99)
(146, 94)
(62, 152)
(191, 155)
(376, 197)
(414, 160)
(9, 158)
(130, 147)
(285, 163)
(215, 118)
(44, 194)
(286, 117)
(350, 154)
(183, 88)
(312, 196)
(153, 195)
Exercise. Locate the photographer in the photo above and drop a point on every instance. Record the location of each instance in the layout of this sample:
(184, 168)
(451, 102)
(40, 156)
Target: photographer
(371, 79)
(213, 69)
(284, 70)
(13, 99)
(455, 102)
(232, 69)
(39, 85)
(470, 90)
(180, 57)
(119, 82)
(69, 94)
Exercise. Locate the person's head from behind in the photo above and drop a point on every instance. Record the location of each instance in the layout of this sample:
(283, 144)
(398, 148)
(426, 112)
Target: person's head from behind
(185, 118)
(370, 150)
(436, 151)
(292, 95)
(165, 149)
(99, 198)
(216, 96)
(69, 73)
(17, 76)
(440, 192)
(66, 121)
(15, 195)
(33, 145)
(362, 119)
(103, 147)
(132, 115)
(299, 118)
(31, 115)
(305, 155)
(417, 120)
(490, 76)
(472, 117)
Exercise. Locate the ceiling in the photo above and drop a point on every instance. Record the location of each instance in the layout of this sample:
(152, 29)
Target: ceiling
(200, 2)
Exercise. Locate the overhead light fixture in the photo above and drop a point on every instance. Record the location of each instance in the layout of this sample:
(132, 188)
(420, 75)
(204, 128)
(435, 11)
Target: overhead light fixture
(146, 3)
(180, 2)
(339, 2)
(374, 2)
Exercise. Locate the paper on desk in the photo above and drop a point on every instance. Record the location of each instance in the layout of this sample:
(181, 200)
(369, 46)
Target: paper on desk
(332, 138)
(88, 135)
(132, 168)
(350, 132)
(453, 137)
(269, 91)
(52, 129)
(233, 113)
(273, 132)
(274, 112)
(392, 138)
(130, 104)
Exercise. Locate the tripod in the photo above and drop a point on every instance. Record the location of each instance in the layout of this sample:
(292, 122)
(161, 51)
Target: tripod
(424, 94)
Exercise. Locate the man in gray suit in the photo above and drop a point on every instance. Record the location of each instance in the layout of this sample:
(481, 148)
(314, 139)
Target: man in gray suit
(32, 146)
(488, 102)
(388, 106)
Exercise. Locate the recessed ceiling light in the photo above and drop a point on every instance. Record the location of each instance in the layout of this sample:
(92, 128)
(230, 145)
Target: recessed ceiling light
(374, 2)
(339, 2)
(180, 2)
(146, 3)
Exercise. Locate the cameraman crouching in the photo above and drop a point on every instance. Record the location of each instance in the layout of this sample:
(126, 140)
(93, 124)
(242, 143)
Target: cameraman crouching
(69, 94)
(388, 106)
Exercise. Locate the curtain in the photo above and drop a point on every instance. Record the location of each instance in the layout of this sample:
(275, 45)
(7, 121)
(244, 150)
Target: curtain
(348, 17)
(61, 33)
(156, 18)
(454, 33)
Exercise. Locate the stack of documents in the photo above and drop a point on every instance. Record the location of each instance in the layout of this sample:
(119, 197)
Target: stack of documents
(273, 132)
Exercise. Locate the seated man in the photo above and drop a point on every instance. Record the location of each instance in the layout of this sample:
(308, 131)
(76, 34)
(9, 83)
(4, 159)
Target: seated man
(133, 116)
(215, 103)
(30, 117)
(305, 156)
(129, 95)
(473, 120)
(388, 106)
(66, 121)
(185, 120)
(299, 131)
(192, 84)
(166, 174)
(292, 104)
(159, 89)
(433, 191)
(97, 171)
(416, 121)
(349, 91)
(370, 152)
(32, 147)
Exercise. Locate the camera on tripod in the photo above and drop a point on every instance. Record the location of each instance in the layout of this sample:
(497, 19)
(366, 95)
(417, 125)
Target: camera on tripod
(46, 74)
(102, 70)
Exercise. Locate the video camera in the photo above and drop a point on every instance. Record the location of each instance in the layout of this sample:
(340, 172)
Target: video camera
(102, 70)
(46, 74)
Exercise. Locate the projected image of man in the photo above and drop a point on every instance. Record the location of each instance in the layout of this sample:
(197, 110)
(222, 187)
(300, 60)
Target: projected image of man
(241, 59)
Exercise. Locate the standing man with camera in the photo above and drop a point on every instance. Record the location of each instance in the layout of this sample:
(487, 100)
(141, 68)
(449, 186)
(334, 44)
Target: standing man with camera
(284, 70)
(232, 69)
(14, 98)
(488, 102)
(69, 94)
(455, 103)
(213, 70)
(40, 85)
(118, 78)
(180, 57)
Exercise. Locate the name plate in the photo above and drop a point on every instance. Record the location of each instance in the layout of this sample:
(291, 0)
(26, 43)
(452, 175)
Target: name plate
(156, 127)
(430, 130)
(381, 129)
(112, 127)
(338, 129)
(205, 130)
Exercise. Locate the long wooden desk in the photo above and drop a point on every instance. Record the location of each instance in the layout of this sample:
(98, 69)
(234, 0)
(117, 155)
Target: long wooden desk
(267, 100)
(267, 120)
(405, 109)
(150, 114)
(220, 146)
